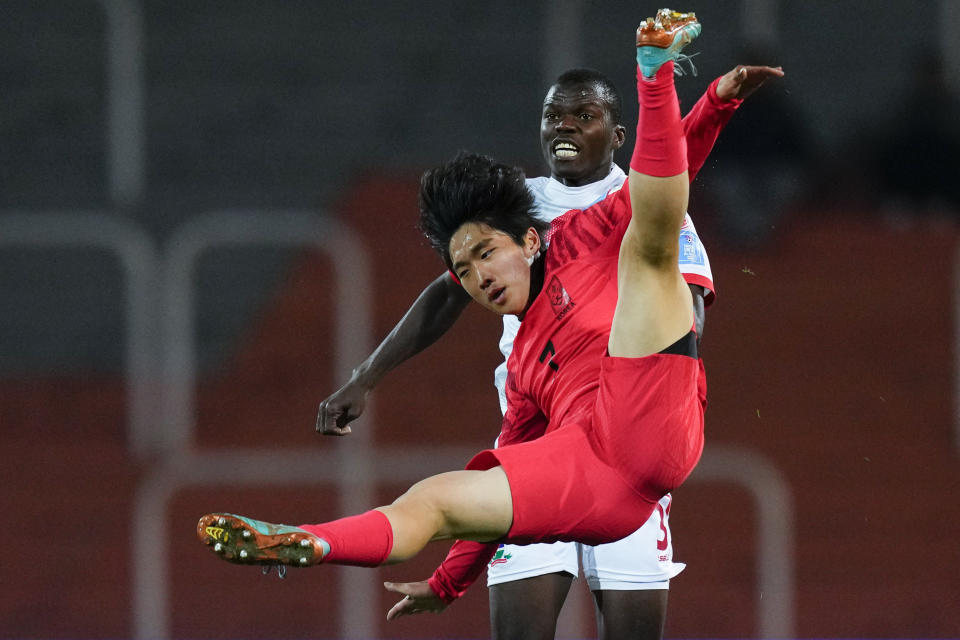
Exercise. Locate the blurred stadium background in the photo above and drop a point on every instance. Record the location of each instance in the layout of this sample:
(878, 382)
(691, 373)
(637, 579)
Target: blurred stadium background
(207, 218)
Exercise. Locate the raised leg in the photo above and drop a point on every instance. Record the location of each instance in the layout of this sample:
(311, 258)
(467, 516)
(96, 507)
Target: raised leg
(654, 307)
(470, 505)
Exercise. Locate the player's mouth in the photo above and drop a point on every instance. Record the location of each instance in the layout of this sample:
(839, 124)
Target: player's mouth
(565, 150)
(497, 296)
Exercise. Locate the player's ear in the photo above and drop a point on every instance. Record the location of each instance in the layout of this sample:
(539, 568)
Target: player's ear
(531, 243)
(533, 240)
(619, 136)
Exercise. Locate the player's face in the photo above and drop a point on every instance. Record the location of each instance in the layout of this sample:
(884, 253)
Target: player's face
(492, 268)
(577, 135)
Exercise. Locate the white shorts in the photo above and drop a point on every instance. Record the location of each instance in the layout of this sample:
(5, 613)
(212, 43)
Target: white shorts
(642, 560)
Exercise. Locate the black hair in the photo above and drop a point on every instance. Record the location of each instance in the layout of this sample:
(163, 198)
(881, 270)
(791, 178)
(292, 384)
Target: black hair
(606, 90)
(475, 188)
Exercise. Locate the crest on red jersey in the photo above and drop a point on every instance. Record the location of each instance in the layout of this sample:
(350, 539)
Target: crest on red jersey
(559, 298)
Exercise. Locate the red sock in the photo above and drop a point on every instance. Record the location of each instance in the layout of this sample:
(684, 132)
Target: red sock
(364, 541)
(661, 149)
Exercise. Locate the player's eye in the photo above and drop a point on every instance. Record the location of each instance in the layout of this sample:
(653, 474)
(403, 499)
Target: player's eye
(586, 116)
(486, 254)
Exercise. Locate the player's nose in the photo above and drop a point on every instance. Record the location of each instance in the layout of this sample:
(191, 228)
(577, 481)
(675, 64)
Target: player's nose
(566, 122)
(483, 278)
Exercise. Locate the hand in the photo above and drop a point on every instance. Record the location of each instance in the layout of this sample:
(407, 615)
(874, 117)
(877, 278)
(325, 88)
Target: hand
(743, 80)
(343, 407)
(420, 598)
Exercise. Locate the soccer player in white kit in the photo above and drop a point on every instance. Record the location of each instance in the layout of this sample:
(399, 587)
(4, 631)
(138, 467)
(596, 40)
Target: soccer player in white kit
(580, 131)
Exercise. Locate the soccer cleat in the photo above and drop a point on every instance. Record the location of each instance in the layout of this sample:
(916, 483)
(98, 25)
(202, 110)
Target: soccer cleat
(247, 541)
(661, 39)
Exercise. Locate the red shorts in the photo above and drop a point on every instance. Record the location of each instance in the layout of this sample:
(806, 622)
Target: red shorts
(597, 479)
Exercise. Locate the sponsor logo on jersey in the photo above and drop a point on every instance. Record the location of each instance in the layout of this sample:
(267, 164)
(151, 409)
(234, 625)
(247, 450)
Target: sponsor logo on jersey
(559, 298)
(691, 252)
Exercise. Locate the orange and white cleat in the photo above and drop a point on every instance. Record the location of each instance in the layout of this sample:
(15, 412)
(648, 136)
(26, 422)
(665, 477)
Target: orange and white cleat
(247, 541)
(661, 39)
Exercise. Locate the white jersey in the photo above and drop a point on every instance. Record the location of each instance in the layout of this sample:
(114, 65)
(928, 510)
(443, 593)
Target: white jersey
(553, 199)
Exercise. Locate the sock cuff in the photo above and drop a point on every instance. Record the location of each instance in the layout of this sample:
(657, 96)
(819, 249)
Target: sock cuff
(660, 149)
(365, 540)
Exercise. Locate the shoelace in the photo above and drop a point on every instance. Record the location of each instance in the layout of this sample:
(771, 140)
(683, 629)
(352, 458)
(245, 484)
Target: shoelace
(281, 570)
(684, 59)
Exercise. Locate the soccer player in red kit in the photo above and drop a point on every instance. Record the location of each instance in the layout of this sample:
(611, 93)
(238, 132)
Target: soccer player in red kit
(604, 366)
(629, 578)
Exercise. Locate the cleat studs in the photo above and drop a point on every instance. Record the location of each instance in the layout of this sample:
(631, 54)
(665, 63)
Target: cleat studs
(246, 534)
(218, 548)
(222, 521)
(304, 561)
(243, 554)
(305, 543)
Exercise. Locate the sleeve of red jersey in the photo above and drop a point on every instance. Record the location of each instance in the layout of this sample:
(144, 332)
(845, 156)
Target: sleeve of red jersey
(703, 125)
(461, 568)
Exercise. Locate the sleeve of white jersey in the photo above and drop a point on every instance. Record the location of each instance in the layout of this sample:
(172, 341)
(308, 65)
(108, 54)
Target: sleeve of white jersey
(693, 260)
(511, 326)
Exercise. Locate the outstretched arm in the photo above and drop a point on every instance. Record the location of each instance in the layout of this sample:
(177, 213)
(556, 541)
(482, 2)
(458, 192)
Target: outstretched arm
(430, 316)
(703, 124)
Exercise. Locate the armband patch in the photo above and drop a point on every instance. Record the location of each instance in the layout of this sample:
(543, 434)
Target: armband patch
(691, 251)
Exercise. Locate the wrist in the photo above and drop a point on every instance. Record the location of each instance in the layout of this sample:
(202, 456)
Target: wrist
(365, 377)
(440, 587)
(717, 100)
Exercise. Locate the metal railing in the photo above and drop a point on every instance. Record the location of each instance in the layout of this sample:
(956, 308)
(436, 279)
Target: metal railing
(125, 128)
(140, 263)
(352, 296)
(773, 501)
(352, 308)
(359, 595)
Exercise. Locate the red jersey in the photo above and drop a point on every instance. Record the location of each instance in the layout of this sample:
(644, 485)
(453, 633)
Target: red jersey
(553, 372)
